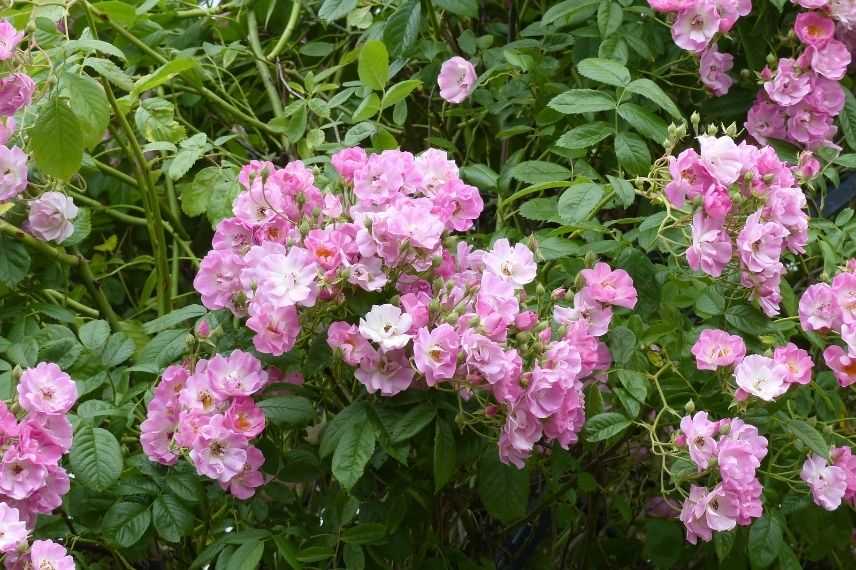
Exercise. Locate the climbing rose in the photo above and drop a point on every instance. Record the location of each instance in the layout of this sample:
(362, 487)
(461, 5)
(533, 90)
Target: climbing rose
(457, 79)
(51, 216)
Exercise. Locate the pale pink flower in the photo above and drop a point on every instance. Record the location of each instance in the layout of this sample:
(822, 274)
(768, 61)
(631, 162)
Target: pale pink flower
(760, 243)
(842, 366)
(239, 374)
(387, 326)
(156, 436)
(716, 349)
(515, 264)
(711, 247)
(713, 70)
(830, 59)
(844, 288)
(7, 129)
(347, 161)
(457, 79)
(13, 531)
(46, 389)
(828, 483)
(218, 452)
(13, 172)
(698, 433)
(704, 512)
(244, 484)
(288, 279)
(48, 555)
(9, 40)
(519, 435)
(761, 377)
(818, 308)
(16, 91)
(218, 280)
(20, 477)
(347, 339)
(276, 328)
(613, 287)
(790, 84)
(695, 27)
(594, 314)
(51, 216)
(721, 157)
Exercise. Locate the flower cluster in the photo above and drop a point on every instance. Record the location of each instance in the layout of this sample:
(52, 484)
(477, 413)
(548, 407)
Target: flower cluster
(831, 482)
(291, 245)
(831, 307)
(695, 28)
(209, 415)
(731, 451)
(16, 91)
(802, 97)
(470, 329)
(32, 482)
(765, 377)
(742, 195)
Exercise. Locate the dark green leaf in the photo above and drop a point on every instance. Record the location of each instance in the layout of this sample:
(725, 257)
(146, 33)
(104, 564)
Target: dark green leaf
(365, 533)
(14, 262)
(95, 457)
(127, 522)
(402, 28)
(765, 541)
(171, 518)
(537, 171)
(604, 71)
(578, 101)
(606, 425)
(809, 436)
(585, 136)
(578, 202)
(56, 139)
(504, 489)
(632, 153)
(292, 410)
(353, 452)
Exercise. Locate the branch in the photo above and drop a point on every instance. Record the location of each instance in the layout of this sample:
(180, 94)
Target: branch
(38, 245)
(286, 33)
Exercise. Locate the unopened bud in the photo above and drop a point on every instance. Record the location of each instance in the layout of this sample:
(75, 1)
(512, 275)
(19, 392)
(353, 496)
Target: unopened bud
(203, 330)
(558, 293)
(689, 407)
(395, 300)
(436, 261)
(772, 60)
(694, 120)
(731, 130)
(712, 130)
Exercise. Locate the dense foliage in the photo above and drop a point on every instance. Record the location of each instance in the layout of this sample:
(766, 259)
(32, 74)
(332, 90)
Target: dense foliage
(427, 284)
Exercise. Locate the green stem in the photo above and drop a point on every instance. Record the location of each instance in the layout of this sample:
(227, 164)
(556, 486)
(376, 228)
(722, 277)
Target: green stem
(262, 66)
(37, 244)
(66, 300)
(117, 174)
(89, 282)
(289, 28)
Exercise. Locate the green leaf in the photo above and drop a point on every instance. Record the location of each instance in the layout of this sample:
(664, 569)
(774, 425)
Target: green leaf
(412, 422)
(127, 522)
(635, 383)
(56, 139)
(465, 8)
(118, 349)
(367, 108)
(365, 533)
(609, 17)
(847, 119)
(557, 247)
(171, 518)
(402, 28)
(632, 153)
(14, 261)
(353, 452)
(90, 106)
(660, 540)
(623, 189)
(94, 45)
(399, 92)
(167, 347)
(119, 12)
(155, 119)
(765, 541)
(723, 542)
(585, 136)
(359, 132)
(540, 209)
(94, 334)
(504, 490)
(163, 74)
(644, 121)
(606, 425)
(578, 101)
(185, 485)
(622, 344)
(287, 551)
(604, 71)
(445, 457)
(537, 171)
(578, 203)
(846, 160)
(342, 422)
(176, 317)
(291, 410)
(355, 558)
(110, 71)
(787, 559)
(247, 556)
(82, 228)
(373, 65)
(809, 436)
(651, 91)
(746, 319)
(332, 10)
(569, 12)
(96, 459)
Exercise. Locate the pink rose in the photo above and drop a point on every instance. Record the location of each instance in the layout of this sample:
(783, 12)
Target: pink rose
(16, 91)
(457, 79)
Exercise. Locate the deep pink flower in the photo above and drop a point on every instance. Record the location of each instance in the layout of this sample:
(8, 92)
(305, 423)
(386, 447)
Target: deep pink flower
(736, 460)
(347, 161)
(519, 435)
(766, 120)
(813, 29)
(389, 373)
(9, 40)
(713, 70)
(20, 477)
(244, 484)
(232, 234)
(818, 309)
(716, 348)
(198, 395)
(218, 280)
(711, 247)
(347, 339)
(239, 374)
(244, 417)
(689, 178)
(842, 366)
(218, 452)
(457, 79)
(436, 353)
(276, 328)
(696, 26)
(830, 59)
(16, 91)
(46, 389)
(790, 84)
(760, 243)
(613, 287)
(843, 457)
(156, 436)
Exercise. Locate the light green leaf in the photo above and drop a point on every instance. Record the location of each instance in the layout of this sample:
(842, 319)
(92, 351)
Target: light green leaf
(94, 334)
(578, 101)
(809, 436)
(604, 71)
(175, 317)
(585, 136)
(399, 92)
(94, 45)
(163, 74)
(651, 91)
(90, 106)
(632, 153)
(578, 203)
(623, 189)
(465, 8)
(609, 17)
(644, 121)
(332, 10)
(373, 65)
(56, 139)
(606, 425)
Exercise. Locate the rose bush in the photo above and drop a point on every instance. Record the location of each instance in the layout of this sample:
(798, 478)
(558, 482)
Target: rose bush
(427, 284)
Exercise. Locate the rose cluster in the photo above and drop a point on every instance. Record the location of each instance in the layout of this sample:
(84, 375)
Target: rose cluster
(470, 329)
(831, 482)
(208, 415)
(765, 377)
(51, 214)
(742, 195)
(730, 451)
(32, 482)
(695, 28)
(290, 245)
(831, 307)
(802, 96)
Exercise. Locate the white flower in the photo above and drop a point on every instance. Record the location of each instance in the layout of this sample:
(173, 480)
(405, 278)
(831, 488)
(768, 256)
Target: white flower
(515, 264)
(387, 326)
(762, 377)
